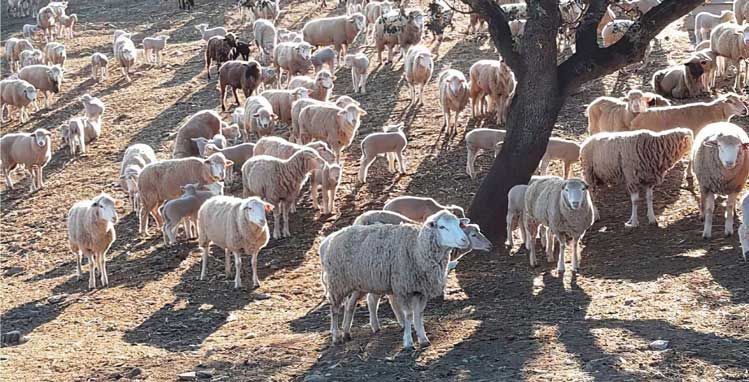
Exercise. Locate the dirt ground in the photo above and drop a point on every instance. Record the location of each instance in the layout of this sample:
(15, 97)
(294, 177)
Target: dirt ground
(500, 319)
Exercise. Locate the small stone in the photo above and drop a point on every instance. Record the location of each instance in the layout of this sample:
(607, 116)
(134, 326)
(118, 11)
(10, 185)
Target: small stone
(232, 317)
(204, 373)
(659, 345)
(314, 378)
(629, 302)
(13, 271)
(56, 298)
(189, 376)
(13, 338)
(134, 372)
(261, 296)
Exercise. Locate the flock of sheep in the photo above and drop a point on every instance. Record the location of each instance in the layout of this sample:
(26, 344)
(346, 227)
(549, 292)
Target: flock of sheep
(281, 138)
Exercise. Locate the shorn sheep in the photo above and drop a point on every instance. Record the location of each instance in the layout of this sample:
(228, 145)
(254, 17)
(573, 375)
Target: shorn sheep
(235, 225)
(91, 232)
(417, 70)
(564, 207)
(453, 97)
(386, 259)
(359, 64)
(640, 158)
(324, 56)
(615, 114)
(419, 208)
(205, 123)
(32, 150)
(693, 116)
(493, 79)
(162, 180)
(681, 81)
(478, 140)
(292, 57)
(16, 93)
(721, 165)
(99, 62)
(321, 87)
(282, 100)
(237, 154)
(382, 217)
(560, 149)
(391, 142)
(729, 41)
(135, 159)
(515, 208)
(206, 33)
(339, 31)
(278, 182)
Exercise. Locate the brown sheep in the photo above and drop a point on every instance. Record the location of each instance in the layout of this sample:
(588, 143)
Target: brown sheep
(238, 74)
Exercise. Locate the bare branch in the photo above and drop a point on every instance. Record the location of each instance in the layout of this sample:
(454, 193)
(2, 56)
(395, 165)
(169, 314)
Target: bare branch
(498, 29)
(586, 36)
(592, 62)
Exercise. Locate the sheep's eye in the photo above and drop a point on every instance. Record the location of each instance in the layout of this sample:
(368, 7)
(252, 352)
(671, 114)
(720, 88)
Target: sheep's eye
(442, 227)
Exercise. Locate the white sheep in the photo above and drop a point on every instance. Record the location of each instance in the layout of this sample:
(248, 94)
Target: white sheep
(564, 207)
(741, 11)
(293, 57)
(731, 42)
(13, 48)
(391, 142)
(259, 117)
(681, 81)
(640, 158)
(233, 224)
(29, 30)
(206, 33)
(324, 56)
(278, 181)
(67, 24)
(93, 107)
(359, 64)
(515, 207)
(321, 87)
(721, 165)
(135, 159)
(32, 150)
(99, 62)
(55, 54)
(125, 54)
(615, 114)
(74, 133)
(205, 123)
(704, 23)
(183, 211)
(339, 31)
(31, 57)
(266, 38)
(45, 19)
(419, 208)
(154, 46)
(693, 116)
(331, 124)
(382, 217)
(560, 149)
(46, 79)
(478, 140)
(493, 79)
(453, 97)
(91, 233)
(218, 140)
(417, 70)
(17, 93)
(237, 154)
(744, 227)
(281, 101)
(386, 259)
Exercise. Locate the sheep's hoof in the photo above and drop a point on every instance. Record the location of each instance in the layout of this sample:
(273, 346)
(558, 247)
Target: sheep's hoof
(346, 337)
(728, 234)
(424, 344)
(705, 237)
(337, 340)
(408, 348)
(631, 224)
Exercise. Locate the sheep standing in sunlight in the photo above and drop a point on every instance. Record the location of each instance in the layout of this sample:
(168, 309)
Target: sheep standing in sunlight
(91, 232)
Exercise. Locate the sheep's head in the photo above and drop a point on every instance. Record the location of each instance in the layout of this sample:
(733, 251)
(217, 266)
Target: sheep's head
(41, 137)
(478, 241)
(455, 83)
(200, 27)
(344, 101)
(231, 39)
(386, 6)
(696, 66)
(735, 105)
(393, 128)
(29, 92)
(190, 188)
(448, 230)
(334, 173)
(357, 20)
(348, 60)
(105, 208)
(636, 101)
(730, 148)
(255, 209)
(210, 149)
(200, 142)
(55, 75)
(312, 160)
(304, 50)
(130, 176)
(351, 114)
(324, 79)
(265, 118)
(575, 193)
(300, 93)
(217, 165)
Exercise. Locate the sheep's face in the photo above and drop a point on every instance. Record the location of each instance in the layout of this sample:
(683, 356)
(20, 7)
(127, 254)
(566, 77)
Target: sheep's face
(357, 19)
(352, 113)
(217, 165)
(41, 137)
(131, 182)
(304, 50)
(727, 16)
(386, 7)
(637, 102)
(455, 84)
(478, 241)
(325, 79)
(30, 93)
(449, 231)
(730, 149)
(334, 173)
(106, 208)
(264, 119)
(210, 149)
(575, 192)
(189, 189)
(255, 210)
(736, 105)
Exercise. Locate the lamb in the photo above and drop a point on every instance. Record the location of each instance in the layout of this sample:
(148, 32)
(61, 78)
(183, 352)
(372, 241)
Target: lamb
(74, 133)
(744, 227)
(218, 140)
(93, 107)
(384, 259)
(266, 37)
(235, 225)
(320, 87)
(515, 207)
(324, 56)
(45, 19)
(32, 150)
(29, 30)
(560, 149)
(18, 93)
(45, 79)
(728, 40)
(419, 208)
(339, 31)
(641, 158)
(359, 64)
(327, 179)
(31, 57)
(67, 24)
(373, 11)
(721, 164)
(161, 181)
(183, 210)
(278, 181)
(242, 50)
(243, 75)
(704, 23)
(266, 9)
(565, 208)
(614, 31)
(91, 232)
(494, 79)
(268, 78)
(237, 122)
(741, 11)
(391, 142)
(281, 101)
(99, 64)
(333, 125)
(237, 154)
(54, 54)
(293, 57)
(693, 116)
(13, 48)
(382, 217)
(154, 45)
(125, 54)
(135, 159)
(708, 60)
(615, 114)
(205, 123)
(417, 70)
(219, 49)
(259, 117)
(681, 81)
(206, 33)
(481, 139)
(453, 97)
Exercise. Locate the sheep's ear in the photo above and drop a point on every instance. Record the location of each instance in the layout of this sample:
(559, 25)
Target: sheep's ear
(464, 222)
(256, 115)
(118, 203)
(342, 113)
(585, 185)
(710, 143)
(228, 163)
(745, 146)
(268, 207)
(195, 139)
(334, 78)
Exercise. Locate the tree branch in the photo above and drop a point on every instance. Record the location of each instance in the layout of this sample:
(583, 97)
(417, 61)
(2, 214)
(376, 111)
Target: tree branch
(593, 62)
(498, 29)
(586, 35)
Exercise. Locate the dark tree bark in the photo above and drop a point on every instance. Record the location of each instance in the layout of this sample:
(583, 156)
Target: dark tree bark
(544, 85)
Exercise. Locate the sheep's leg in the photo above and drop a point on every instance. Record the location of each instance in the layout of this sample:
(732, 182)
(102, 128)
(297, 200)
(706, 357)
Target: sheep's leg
(417, 305)
(364, 167)
(363, 82)
(102, 257)
(730, 206)
(91, 271)
(238, 269)
(708, 208)
(390, 157)
(567, 169)
(313, 194)
(348, 314)
(530, 233)
(78, 261)
(469, 163)
(649, 200)
(575, 256)
(277, 221)
(401, 161)
(234, 90)
(744, 238)
(286, 232)
(560, 263)
(373, 303)
(544, 166)
(227, 263)
(549, 237)
(508, 221)
(397, 310)
(205, 248)
(633, 221)
(335, 317)
(408, 341)
(143, 220)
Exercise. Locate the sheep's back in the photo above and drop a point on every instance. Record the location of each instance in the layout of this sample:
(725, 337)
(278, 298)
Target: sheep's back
(223, 222)
(203, 124)
(162, 180)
